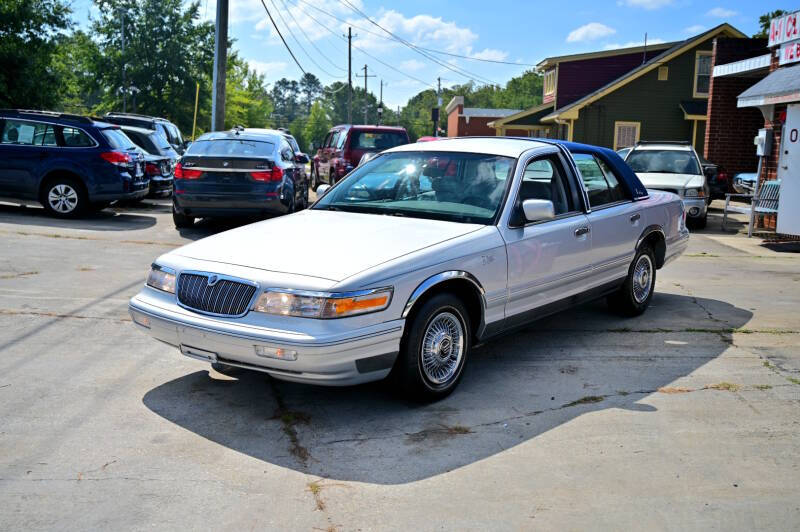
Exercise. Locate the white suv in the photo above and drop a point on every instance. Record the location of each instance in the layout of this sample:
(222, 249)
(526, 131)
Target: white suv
(673, 167)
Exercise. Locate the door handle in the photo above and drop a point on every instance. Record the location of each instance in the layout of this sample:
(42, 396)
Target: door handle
(581, 231)
(635, 217)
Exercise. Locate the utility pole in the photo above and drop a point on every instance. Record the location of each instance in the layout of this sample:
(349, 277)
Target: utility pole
(220, 67)
(349, 75)
(366, 102)
(380, 105)
(124, 88)
(438, 106)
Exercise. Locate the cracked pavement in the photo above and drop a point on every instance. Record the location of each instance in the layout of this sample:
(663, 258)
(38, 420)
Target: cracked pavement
(685, 418)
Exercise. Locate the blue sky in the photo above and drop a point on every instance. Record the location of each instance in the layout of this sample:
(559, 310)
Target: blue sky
(522, 32)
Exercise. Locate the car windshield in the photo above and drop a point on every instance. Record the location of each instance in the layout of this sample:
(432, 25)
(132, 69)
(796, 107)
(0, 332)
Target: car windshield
(458, 187)
(663, 161)
(118, 140)
(231, 148)
(373, 140)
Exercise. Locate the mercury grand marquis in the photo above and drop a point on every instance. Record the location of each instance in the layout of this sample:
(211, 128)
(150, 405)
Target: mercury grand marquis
(413, 258)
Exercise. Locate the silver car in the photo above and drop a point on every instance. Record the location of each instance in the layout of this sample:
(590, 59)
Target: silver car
(413, 258)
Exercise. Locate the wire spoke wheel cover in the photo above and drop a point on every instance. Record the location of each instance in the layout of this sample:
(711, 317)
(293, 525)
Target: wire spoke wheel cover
(642, 278)
(62, 198)
(442, 348)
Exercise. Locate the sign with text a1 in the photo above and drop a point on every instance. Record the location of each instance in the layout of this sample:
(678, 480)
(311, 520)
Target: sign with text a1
(790, 53)
(784, 29)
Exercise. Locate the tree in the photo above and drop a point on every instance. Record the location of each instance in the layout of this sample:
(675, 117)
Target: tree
(246, 100)
(317, 125)
(311, 89)
(764, 21)
(75, 63)
(29, 33)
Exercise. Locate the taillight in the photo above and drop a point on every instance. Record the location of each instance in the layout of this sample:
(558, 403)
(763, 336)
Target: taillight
(722, 176)
(276, 174)
(186, 173)
(151, 169)
(117, 158)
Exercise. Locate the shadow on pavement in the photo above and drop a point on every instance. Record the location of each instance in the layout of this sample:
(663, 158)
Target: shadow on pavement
(515, 388)
(105, 220)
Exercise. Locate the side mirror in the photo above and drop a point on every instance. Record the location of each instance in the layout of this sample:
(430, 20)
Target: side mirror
(536, 210)
(322, 189)
(301, 158)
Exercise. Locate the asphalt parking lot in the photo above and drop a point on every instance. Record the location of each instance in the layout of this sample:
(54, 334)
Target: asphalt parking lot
(685, 418)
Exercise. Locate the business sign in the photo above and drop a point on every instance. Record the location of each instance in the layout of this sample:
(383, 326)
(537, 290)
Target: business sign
(784, 29)
(789, 53)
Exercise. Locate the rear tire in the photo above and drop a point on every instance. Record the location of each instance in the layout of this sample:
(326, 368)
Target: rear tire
(64, 197)
(181, 221)
(634, 296)
(314, 180)
(434, 349)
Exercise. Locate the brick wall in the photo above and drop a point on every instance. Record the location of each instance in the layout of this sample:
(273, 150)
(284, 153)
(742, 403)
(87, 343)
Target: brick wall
(453, 121)
(730, 129)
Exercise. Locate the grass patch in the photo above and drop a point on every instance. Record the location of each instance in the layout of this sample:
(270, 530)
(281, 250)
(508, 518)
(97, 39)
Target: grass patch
(762, 387)
(793, 380)
(586, 400)
(316, 489)
(725, 386)
(671, 390)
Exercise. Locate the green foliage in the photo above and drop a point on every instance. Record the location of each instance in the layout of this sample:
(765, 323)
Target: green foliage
(317, 126)
(247, 101)
(29, 33)
(764, 21)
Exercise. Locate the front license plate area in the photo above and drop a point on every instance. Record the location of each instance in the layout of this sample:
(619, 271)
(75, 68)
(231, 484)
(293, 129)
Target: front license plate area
(199, 354)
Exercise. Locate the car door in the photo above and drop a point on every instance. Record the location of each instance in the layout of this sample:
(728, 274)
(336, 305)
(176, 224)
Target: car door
(615, 221)
(548, 261)
(26, 148)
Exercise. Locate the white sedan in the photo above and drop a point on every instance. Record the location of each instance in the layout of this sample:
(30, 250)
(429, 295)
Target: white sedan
(413, 258)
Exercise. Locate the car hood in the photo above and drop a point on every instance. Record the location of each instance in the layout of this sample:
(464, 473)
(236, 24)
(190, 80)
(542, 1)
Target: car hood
(673, 181)
(323, 244)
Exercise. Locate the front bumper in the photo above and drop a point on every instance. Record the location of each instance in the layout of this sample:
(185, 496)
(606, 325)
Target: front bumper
(335, 359)
(695, 207)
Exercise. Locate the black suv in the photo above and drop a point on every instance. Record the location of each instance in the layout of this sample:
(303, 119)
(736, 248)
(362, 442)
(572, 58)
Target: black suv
(162, 125)
(68, 163)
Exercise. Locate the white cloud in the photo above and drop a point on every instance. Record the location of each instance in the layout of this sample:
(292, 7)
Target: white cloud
(491, 54)
(422, 30)
(645, 4)
(590, 32)
(697, 28)
(411, 65)
(271, 69)
(721, 12)
(632, 44)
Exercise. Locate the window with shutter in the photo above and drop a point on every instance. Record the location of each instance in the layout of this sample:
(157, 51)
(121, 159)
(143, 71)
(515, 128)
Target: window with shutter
(626, 134)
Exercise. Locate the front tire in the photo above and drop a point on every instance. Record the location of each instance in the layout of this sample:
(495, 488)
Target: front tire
(181, 221)
(64, 197)
(697, 223)
(634, 296)
(434, 350)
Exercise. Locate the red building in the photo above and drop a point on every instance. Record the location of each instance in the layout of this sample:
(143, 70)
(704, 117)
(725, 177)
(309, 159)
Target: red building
(473, 121)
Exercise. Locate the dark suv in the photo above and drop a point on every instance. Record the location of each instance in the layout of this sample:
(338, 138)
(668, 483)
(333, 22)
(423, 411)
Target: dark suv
(68, 163)
(344, 146)
(162, 125)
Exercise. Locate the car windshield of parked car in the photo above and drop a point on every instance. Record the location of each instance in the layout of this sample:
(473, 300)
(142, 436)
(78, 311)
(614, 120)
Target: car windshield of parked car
(663, 161)
(231, 148)
(458, 187)
(368, 140)
(118, 140)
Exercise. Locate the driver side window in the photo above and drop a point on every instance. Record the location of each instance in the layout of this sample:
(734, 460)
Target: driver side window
(545, 179)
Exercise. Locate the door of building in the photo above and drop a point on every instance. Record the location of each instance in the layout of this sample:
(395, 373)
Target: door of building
(789, 174)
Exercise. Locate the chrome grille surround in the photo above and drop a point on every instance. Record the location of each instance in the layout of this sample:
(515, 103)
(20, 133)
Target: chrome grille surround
(229, 297)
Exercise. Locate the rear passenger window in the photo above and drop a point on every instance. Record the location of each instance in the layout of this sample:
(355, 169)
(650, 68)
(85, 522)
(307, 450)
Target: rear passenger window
(545, 179)
(601, 184)
(75, 138)
(28, 133)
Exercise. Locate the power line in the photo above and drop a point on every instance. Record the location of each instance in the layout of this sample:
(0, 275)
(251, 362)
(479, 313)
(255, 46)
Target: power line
(311, 42)
(288, 27)
(409, 76)
(281, 36)
(457, 70)
(475, 58)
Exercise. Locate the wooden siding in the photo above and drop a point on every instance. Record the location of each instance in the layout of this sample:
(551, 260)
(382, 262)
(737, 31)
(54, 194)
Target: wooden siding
(656, 104)
(576, 79)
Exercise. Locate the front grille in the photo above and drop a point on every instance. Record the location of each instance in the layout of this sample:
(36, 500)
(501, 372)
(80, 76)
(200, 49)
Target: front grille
(224, 298)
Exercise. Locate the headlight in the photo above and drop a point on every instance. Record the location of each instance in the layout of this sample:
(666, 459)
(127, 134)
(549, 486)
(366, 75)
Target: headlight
(161, 278)
(694, 193)
(322, 304)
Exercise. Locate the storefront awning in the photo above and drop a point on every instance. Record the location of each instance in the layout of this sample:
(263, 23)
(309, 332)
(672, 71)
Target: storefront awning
(780, 86)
